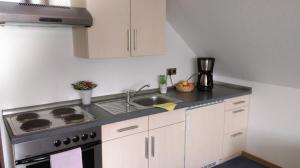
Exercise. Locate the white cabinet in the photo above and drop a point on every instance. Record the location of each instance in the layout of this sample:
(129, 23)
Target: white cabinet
(121, 29)
(167, 146)
(124, 128)
(236, 102)
(234, 143)
(148, 27)
(236, 121)
(204, 135)
(126, 152)
(192, 138)
(130, 144)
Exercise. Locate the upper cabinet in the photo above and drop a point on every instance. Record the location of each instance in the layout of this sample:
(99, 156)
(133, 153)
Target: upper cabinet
(148, 27)
(122, 29)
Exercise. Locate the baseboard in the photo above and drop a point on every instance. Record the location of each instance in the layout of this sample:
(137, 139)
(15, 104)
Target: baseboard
(259, 160)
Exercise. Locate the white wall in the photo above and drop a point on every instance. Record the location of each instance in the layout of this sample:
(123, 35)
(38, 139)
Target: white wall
(255, 40)
(37, 66)
(274, 122)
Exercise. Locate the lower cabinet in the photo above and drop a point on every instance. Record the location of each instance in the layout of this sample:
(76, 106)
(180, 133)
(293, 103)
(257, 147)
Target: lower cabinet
(236, 122)
(167, 147)
(160, 147)
(234, 143)
(126, 152)
(194, 138)
(204, 136)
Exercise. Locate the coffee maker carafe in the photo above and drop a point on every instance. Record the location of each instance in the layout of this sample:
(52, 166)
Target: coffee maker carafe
(205, 77)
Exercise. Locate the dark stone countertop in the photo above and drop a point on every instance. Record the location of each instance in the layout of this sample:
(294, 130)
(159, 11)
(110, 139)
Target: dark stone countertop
(221, 91)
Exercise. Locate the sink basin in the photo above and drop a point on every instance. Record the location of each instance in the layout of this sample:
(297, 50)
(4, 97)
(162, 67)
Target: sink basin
(150, 100)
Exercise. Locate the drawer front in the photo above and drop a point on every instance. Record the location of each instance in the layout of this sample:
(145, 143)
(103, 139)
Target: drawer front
(236, 102)
(167, 118)
(234, 143)
(124, 128)
(236, 119)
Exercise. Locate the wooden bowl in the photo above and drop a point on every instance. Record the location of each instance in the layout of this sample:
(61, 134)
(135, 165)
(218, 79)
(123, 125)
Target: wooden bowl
(185, 89)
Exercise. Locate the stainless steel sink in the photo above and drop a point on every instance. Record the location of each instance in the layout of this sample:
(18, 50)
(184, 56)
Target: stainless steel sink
(120, 106)
(150, 100)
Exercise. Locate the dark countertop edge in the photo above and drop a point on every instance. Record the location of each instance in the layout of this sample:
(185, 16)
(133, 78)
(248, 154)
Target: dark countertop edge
(121, 117)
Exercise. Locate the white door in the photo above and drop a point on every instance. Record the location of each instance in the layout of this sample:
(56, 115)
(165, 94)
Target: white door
(166, 146)
(148, 19)
(126, 152)
(204, 135)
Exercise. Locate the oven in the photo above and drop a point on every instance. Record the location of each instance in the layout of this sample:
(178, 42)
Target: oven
(91, 157)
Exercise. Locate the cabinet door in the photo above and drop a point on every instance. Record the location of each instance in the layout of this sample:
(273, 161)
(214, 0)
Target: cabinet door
(204, 135)
(148, 27)
(126, 152)
(236, 119)
(167, 147)
(110, 34)
(234, 143)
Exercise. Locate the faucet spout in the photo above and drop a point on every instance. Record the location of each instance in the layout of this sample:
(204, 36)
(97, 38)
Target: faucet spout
(139, 90)
(130, 94)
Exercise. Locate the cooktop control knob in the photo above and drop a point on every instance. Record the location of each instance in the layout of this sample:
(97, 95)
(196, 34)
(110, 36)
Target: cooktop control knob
(93, 135)
(67, 141)
(57, 143)
(84, 137)
(75, 139)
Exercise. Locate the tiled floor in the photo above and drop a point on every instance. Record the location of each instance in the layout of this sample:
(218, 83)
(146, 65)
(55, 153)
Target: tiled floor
(240, 162)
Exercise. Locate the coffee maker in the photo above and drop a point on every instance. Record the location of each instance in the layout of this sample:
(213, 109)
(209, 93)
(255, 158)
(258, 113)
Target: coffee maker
(205, 73)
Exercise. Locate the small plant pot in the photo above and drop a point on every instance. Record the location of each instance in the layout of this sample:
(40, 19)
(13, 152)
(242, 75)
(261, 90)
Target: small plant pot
(86, 96)
(163, 88)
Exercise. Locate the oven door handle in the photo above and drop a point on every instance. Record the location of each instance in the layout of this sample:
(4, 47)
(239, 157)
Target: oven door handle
(46, 157)
(33, 160)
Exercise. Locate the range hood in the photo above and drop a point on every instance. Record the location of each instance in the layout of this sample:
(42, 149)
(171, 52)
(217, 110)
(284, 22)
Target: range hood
(38, 14)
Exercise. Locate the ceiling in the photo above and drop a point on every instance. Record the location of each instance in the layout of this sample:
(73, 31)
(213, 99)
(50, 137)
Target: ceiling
(256, 40)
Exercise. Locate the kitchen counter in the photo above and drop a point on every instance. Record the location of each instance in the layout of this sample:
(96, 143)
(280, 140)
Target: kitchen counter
(221, 91)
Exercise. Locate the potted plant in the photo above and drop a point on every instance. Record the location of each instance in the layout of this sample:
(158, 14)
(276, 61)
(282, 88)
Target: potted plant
(85, 89)
(163, 84)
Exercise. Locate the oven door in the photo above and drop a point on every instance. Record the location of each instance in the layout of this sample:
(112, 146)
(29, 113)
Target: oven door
(91, 158)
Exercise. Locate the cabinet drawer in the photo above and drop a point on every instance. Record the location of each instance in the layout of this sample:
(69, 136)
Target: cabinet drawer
(236, 102)
(234, 143)
(236, 119)
(124, 128)
(167, 118)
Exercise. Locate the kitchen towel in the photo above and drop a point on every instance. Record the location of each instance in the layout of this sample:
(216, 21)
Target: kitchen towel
(68, 159)
(167, 106)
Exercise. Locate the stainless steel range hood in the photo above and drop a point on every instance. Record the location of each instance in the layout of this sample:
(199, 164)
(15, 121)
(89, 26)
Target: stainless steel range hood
(40, 13)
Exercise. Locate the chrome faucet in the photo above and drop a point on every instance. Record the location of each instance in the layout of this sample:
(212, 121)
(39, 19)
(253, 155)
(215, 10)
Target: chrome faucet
(130, 94)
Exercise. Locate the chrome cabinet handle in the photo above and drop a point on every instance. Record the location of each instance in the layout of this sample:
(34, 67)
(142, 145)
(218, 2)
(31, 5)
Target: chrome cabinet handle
(128, 128)
(147, 148)
(153, 146)
(238, 111)
(240, 102)
(237, 134)
(135, 33)
(128, 40)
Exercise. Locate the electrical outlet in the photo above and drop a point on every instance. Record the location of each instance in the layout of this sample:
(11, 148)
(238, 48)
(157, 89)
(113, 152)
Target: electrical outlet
(171, 71)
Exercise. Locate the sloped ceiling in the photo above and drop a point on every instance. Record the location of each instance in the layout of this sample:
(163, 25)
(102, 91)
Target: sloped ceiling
(256, 40)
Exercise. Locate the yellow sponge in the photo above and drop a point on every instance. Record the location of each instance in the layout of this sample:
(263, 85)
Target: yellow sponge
(167, 106)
